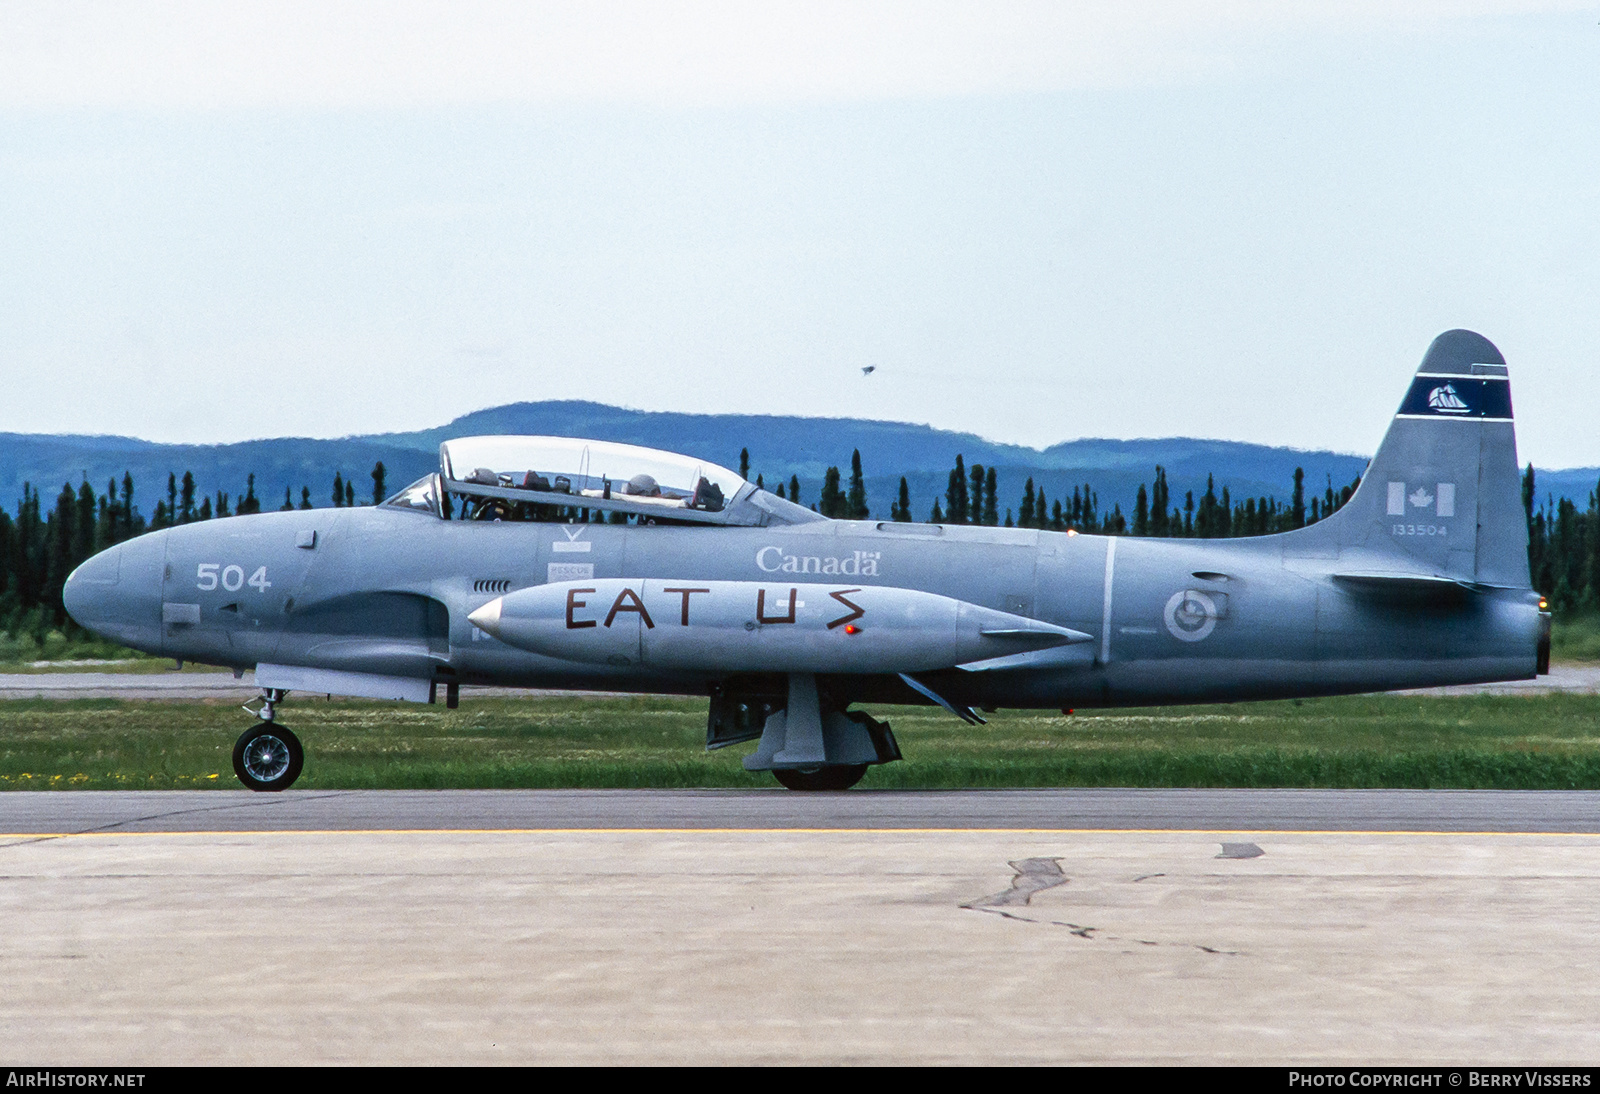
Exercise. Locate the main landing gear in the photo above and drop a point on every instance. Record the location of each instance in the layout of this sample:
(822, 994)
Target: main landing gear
(831, 777)
(268, 756)
(807, 739)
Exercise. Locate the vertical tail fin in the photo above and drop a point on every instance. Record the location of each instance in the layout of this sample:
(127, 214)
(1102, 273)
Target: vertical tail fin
(1444, 495)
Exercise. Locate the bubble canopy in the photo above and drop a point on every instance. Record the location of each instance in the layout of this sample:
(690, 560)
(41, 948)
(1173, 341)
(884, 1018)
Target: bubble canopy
(597, 474)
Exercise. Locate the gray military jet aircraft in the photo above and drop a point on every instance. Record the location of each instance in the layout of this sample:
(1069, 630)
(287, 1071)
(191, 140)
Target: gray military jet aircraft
(545, 562)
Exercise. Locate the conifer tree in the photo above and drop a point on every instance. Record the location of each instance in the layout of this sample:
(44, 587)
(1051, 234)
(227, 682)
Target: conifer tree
(59, 538)
(288, 501)
(305, 497)
(975, 495)
(901, 511)
(956, 494)
(29, 566)
(794, 489)
(937, 516)
(127, 504)
(350, 495)
(1592, 580)
(186, 499)
(857, 502)
(83, 525)
(744, 464)
(249, 503)
(1528, 495)
(7, 555)
(379, 490)
(831, 502)
(1160, 498)
(105, 525)
(1141, 513)
(991, 515)
(1206, 522)
(338, 490)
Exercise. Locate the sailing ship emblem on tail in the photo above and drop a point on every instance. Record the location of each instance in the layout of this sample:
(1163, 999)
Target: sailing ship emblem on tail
(1445, 400)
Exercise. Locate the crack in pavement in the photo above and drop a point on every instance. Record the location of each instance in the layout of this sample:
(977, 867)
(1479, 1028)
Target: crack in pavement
(1035, 875)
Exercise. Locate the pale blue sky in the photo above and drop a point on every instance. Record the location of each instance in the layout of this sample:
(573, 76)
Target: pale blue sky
(1242, 221)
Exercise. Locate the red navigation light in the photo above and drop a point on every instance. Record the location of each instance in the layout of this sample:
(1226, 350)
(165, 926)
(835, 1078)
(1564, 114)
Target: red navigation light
(851, 628)
(1543, 603)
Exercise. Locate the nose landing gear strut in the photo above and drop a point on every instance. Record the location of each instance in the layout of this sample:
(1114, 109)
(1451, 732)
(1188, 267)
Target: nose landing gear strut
(268, 756)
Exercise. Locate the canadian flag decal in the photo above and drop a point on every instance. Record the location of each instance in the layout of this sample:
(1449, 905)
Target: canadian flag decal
(1442, 499)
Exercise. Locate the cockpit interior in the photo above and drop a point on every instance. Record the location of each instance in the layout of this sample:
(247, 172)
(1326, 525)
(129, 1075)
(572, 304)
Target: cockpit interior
(565, 480)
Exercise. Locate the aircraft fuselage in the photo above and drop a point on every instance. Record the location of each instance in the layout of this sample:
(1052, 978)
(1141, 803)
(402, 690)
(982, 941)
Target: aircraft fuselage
(385, 591)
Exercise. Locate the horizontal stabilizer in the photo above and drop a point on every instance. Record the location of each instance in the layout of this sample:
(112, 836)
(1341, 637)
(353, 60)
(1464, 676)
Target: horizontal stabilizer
(1402, 581)
(1407, 586)
(1031, 661)
(1041, 634)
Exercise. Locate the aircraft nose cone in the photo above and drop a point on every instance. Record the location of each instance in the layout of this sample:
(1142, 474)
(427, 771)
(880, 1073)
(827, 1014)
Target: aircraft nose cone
(487, 618)
(85, 588)
(117, 593)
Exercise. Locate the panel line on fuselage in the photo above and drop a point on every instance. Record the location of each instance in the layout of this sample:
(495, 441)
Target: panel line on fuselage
(1105, 608)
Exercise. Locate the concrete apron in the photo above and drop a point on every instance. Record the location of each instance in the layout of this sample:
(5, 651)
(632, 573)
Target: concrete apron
(733, 947)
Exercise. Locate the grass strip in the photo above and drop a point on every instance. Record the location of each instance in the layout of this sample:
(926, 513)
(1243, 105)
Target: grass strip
(1503, 742)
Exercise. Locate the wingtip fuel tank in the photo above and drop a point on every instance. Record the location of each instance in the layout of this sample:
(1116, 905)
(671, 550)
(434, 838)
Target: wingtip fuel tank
(747, 626)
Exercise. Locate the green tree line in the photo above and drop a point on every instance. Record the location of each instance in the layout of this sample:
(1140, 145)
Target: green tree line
(1563, 548)
(1563, 540)
(970, 498)
(44, 542)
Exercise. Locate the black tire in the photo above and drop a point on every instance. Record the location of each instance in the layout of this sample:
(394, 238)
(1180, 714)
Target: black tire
(831, 777)
(268, 757)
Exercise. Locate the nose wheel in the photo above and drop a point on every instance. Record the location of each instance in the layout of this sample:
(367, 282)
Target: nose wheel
(268, 757)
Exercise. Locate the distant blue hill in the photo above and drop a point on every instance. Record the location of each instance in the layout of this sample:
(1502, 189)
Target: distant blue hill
(780, 447)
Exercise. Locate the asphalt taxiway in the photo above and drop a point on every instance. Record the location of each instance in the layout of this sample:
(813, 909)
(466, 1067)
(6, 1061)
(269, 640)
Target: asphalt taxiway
(1497, 811)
